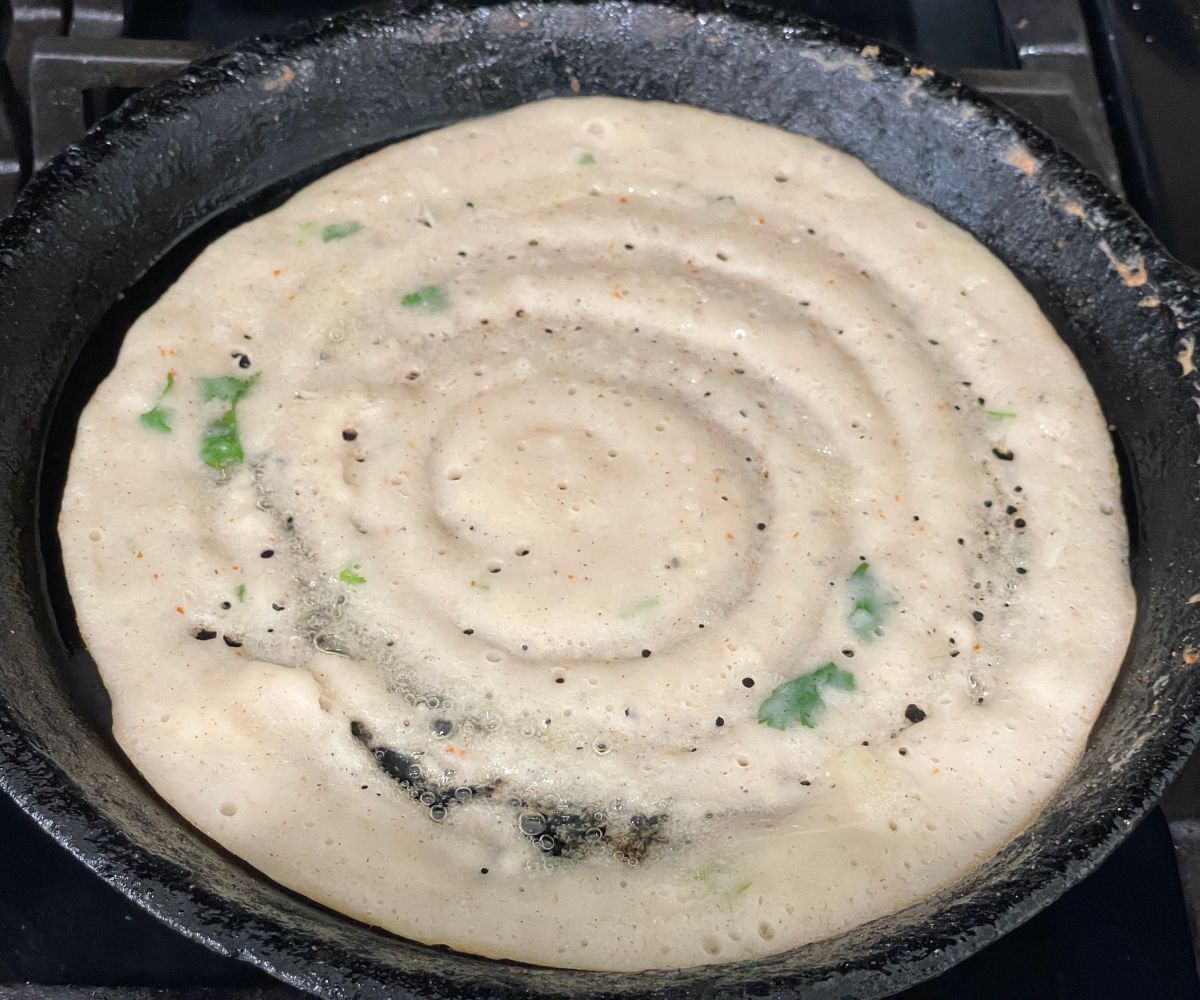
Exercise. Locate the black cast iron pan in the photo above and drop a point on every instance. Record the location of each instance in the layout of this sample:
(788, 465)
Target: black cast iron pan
(110, 222)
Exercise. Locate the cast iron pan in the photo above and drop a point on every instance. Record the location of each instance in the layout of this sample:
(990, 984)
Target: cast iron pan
(109, 223)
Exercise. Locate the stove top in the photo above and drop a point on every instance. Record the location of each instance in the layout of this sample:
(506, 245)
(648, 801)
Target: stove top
(1117, 83)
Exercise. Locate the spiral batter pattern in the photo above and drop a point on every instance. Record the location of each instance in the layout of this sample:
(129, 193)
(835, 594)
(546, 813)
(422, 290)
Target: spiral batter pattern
(603, 514)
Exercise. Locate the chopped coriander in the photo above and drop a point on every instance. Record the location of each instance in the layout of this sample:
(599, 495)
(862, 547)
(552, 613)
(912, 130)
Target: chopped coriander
(638, 606)
(720, 880)
(1000, 414)
(431, 298)
(351, 575)
(340, 230)
(799, 700)
(220, 445)
(586, 160)
(226, 387)
(308, 228)
(158, 417)
(241, 592)
(870, 602)
(863, 618)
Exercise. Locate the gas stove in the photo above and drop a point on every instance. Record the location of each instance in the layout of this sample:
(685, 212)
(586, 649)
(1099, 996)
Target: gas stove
(1116, 83)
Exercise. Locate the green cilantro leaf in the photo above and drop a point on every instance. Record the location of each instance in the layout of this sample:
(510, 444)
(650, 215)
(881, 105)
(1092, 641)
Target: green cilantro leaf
(799, 700)
(870, 602)
(351, 575)
(158, 417)
(586, 160)
(340, 230)
(220, 446)
(241, 592)
(637, 607)
(431, 298)
(1000, 414)
(226, 387)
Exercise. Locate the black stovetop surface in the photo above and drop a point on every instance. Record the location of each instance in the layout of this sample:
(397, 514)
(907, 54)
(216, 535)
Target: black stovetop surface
(1123, 932)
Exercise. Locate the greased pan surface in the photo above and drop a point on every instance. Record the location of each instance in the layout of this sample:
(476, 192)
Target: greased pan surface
(87, 250)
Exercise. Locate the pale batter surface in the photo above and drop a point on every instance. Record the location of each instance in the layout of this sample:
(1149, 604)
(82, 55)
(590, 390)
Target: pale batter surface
(606, 535)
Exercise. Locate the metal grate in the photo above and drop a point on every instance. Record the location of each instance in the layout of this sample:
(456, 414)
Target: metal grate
(67, 63)
(62, 65)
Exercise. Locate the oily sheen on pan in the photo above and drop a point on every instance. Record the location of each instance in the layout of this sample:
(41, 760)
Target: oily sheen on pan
(605, 535)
